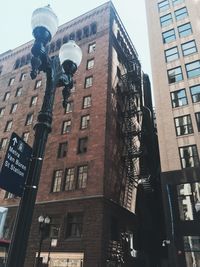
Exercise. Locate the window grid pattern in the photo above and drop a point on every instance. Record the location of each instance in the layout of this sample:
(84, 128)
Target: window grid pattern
(181, 13)
(168, 36)
(175, 75)
(166, 20)
(171, 54)
(86, 101)
(74, 225)
(185, 30)
(66, 128)
(189, 156)
(70, 179)
(193, 69)
(85, 120)
(164, 5)
(183, 125)
(179, 98)
(195, 93)
(90, 64)
(189, 48)
(82, 176)
(88, 81)
(57, 181)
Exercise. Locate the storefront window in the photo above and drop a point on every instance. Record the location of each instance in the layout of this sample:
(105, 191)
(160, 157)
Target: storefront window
(189, 201)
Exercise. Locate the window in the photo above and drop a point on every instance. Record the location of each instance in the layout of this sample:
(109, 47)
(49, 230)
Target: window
(3, 143)
(11, 81)
(195, 93)
(66, 128)
(82, 176)
(88, 81)
(169, 36)
(93, 28)
(13, 108)
(82, 145)
(164, 5)
(69, 107)
(18, 91)
(23, 76)
(185, 30)
(179, 98)
(188, 198)
(9, 195)
(70, 179)
(57, 181)
(54, 230)
(25, 136)
(74, 87)
(62, 150)
(166, 20)
(181, 13)
(183, 125)
(176, 2)
(197, 115)
(91, 48)
(90, 64)
(193, 69)
(8, 126)
(33, 100)
(2, 111)
(171, 54)
(29, 119)
(192, 250)
(175, 75)
(6, 96)
(189, 48)
(85, 121)
(86, 101)
(38, 83)
(74, 225)
(189, 156)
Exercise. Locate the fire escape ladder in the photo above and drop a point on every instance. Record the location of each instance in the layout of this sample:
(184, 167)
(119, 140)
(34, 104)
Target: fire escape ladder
(128, 91)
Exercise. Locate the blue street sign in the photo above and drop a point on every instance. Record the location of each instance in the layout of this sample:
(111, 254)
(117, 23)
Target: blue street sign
(15, 166)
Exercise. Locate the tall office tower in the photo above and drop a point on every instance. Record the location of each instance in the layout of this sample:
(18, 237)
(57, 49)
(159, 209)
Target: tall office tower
(92, 161)
(175, 56)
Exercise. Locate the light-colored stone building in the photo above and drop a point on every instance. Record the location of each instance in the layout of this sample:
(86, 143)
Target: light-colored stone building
(174, 37)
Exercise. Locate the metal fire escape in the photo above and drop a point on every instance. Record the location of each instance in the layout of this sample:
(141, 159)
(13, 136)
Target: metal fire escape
(130, 116)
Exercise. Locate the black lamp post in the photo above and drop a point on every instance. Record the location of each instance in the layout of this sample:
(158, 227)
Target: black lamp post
(59, 72)
(43, 227)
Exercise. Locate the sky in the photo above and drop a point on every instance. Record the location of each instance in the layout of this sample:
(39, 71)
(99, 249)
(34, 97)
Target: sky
(15, 17)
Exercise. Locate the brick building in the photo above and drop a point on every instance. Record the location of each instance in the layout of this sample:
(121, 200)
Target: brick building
(92, 160)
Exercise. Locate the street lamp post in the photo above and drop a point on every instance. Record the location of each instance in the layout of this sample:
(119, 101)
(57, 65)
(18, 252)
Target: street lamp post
(59, 72)
(43, 224)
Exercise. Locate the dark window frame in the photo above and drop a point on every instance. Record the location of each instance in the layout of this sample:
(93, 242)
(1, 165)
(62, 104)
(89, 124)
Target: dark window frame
(166, 36)
(174, 99)
(189, 50)
(177, 77)
(195, 96)
(171, 54)
(183, 125)
(194, 156)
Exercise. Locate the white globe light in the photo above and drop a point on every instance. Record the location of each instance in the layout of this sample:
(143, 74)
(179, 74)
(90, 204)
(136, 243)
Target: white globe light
(41, 219)
(70, 51)
(47, 220)
(45, 17)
